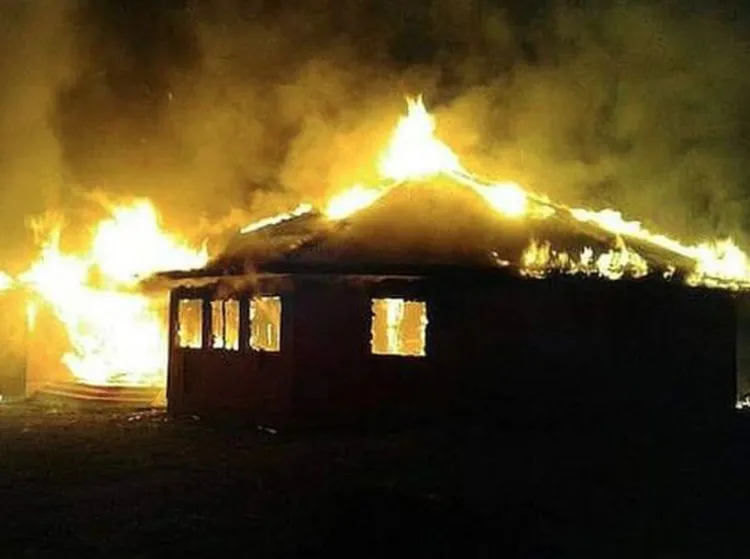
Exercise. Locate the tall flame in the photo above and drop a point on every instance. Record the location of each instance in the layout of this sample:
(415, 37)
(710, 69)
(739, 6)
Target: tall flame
(414, 151)
(116, 334)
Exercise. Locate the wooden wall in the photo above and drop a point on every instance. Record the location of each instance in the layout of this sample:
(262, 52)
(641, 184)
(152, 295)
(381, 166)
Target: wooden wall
(518, 350)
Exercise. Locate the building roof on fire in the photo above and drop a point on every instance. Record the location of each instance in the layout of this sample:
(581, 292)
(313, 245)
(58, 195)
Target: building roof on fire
(415, 226)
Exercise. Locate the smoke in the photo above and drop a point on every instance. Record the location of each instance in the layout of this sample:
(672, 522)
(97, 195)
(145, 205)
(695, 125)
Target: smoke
(35, 42)
(220, 111)
(640, 107)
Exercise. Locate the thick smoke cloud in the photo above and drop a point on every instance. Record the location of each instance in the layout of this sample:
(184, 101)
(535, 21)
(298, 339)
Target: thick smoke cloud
(217, 110)
(35, 42)
(638, 107)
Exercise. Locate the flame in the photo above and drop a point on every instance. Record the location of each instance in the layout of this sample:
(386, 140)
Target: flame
(31, 311)
(414, 151)
(506, 198)
(719, 261)
(351, 201)
(621, 261)
(117, 335)
(130, 245)
(6, 281)
(540, 259)
(716, 262)
(302, 209)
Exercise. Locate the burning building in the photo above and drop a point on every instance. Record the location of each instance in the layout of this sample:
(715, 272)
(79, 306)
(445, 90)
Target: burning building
(437, 293)
(432, 293)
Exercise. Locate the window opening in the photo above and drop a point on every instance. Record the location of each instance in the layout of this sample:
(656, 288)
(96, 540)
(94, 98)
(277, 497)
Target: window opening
(265, 323)
(225, 324)
(399, 327)
(190, 323)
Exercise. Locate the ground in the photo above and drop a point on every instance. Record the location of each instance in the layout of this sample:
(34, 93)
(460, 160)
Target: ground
(139, 484)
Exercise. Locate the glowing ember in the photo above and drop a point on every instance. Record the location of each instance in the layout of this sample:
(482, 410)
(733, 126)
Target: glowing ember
(302, 209)
(117, 336)
(352, 200)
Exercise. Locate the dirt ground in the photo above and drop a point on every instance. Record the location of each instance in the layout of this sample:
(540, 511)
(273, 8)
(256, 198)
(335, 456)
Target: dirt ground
(99, 482)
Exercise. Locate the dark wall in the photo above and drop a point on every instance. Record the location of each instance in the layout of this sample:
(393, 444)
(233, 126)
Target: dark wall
(743, 345)
(207, 380)
(523, 350)
(337, 378)
(560, 348)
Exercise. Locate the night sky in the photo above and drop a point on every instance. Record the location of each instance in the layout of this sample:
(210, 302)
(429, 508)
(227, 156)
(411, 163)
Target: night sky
(214, 106)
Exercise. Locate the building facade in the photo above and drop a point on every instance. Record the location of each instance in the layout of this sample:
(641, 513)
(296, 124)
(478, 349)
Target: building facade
(314, 348)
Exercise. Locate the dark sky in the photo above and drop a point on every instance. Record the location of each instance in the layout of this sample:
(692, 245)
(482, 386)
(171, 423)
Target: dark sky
(213, 106)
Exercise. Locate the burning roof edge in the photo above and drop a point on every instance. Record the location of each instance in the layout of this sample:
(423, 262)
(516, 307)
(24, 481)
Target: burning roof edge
(282, 241)
(453, 275)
